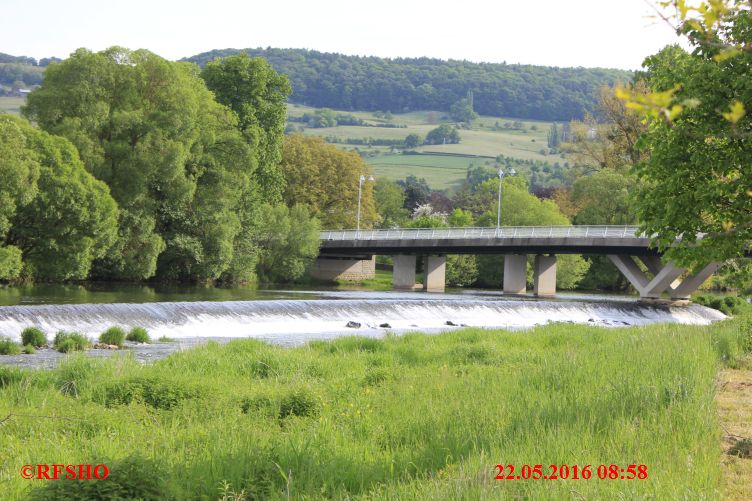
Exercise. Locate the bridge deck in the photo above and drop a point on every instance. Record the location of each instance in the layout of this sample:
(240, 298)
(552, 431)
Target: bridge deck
(514, 239)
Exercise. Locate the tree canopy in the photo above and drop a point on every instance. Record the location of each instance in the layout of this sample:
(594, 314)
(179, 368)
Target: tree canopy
(174, 159)
(257, 94)
(372, 83)
(55, 217)
(697, 179)
(326, 179)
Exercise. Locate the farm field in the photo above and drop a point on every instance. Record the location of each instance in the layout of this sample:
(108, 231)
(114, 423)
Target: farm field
(440, 171)
(407, 417)
(11, 105)
(487, 138)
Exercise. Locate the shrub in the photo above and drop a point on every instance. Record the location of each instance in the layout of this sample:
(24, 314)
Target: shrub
(728, 305)
(138, 335)
(33, 336)
(165, 339)
(261, 404)
(113, 335)
(65, 342)
(9, 347)
(29, 349)
(298, 403)
(153, 392)
(133, 477)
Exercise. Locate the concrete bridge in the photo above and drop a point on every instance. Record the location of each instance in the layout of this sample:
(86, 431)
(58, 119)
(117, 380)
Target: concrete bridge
(349, 254)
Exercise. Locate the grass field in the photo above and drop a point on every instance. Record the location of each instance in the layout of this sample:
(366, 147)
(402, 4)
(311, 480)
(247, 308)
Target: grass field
(11, 105)
(409, 417)
(440, 172)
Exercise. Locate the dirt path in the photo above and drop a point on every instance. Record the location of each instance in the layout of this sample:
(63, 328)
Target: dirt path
(734, 401)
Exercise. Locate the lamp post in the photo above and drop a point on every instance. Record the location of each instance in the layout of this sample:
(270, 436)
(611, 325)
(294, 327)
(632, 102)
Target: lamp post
(360, 191)
(512, 172)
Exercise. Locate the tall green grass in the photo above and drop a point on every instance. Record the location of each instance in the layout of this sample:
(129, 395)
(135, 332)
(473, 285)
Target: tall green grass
(407, 417)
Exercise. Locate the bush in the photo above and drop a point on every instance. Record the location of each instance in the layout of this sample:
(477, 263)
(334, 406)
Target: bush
(133, 477)
(33, 336)
(153, 392)
(65, 342)
(728, 305)
(298, 403)
(138, 335)
(29, 349)
(113, 335)
(165, 339)
(8, 347)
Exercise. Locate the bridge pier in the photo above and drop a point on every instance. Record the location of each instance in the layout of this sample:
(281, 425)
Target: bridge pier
(515, 274)
(665, 277)
(435, 268)
(544, 276)
(339, 268)
(403, 276)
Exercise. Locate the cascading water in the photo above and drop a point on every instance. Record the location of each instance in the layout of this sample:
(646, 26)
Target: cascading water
(295, 321)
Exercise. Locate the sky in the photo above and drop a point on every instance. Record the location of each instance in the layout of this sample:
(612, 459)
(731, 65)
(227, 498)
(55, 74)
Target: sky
(589, 33)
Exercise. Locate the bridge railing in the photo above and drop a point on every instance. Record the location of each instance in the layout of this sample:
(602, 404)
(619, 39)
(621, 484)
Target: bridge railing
(484, 233)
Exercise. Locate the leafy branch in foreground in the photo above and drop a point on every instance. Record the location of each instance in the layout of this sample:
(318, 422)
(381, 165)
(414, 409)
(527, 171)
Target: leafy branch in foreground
(697, 178)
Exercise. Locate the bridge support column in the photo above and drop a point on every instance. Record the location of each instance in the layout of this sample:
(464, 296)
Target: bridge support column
(403, 276)
(515, 274)
(665, 277)
(343, 269)
(435, 274)
(544, 276)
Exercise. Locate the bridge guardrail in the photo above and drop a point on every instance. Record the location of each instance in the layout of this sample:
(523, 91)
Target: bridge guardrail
(483, 233)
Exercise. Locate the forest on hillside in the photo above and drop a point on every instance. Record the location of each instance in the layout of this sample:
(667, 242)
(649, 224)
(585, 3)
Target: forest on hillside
(399, 85)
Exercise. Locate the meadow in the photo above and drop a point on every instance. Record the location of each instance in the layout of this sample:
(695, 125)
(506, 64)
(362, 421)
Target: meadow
(407, 417)
(447, 167)
(11, 105)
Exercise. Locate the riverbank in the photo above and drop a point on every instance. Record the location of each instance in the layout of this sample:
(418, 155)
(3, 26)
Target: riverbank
(406, 417)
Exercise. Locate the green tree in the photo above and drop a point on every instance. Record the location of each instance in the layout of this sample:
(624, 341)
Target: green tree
(417, 191)
(462, 111)
(413, 140)
(71, 219)
(326, 179)
(697, 179)
(553, 136)
(19, 172)
(288, 239)
(257, 94)
(443, 134)
(390, 202)
(174, 159)
(604, 198)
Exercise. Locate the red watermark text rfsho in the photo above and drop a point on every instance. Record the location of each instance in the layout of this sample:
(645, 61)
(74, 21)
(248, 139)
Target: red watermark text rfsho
(65, 471)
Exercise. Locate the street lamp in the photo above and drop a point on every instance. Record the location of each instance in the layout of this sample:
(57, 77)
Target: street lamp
(512, 172)
(360, 190)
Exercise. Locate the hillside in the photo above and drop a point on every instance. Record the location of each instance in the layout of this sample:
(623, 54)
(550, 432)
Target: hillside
(401, 85)
(521, 144)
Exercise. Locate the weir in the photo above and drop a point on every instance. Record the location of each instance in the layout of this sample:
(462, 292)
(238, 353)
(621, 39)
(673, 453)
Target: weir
(296, 321)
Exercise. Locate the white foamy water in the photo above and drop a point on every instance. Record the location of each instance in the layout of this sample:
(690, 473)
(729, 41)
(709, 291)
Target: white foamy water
(296, 321)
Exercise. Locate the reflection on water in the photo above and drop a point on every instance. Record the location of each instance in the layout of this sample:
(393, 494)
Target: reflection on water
(97, 293)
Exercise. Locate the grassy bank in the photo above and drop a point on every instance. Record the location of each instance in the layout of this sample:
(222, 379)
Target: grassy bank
(410, 417)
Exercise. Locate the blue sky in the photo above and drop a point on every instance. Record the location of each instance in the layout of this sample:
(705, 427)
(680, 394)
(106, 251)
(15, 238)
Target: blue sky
(590, 33)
